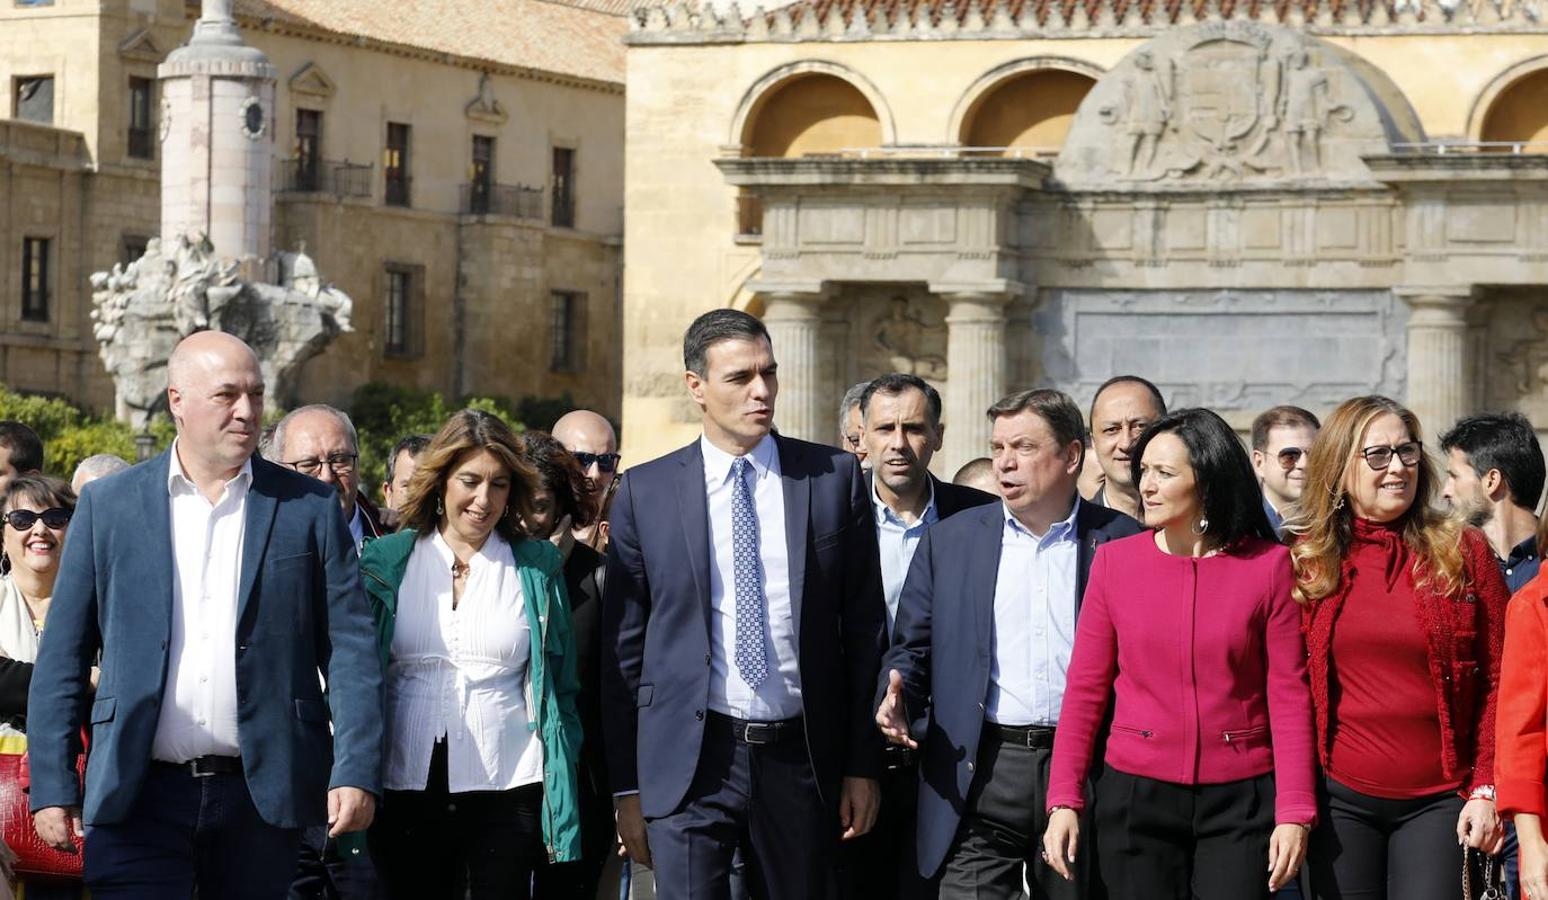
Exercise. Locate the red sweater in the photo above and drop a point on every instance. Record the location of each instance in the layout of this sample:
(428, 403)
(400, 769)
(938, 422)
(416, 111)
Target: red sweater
(1206, 670)
(1386, 739)
(1463, 633)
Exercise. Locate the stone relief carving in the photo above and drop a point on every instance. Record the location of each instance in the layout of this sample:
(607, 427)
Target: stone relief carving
(1223, 102)
(142, 310)
(906, 338)
(1522, 370)
(484, 106)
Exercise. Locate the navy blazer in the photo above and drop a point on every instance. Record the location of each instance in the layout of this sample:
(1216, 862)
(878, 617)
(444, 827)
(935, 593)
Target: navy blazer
(300, 611)
(656, 620)
(945, 662)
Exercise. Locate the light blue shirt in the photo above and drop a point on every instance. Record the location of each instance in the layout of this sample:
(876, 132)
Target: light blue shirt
(1034, 622)
(779, 696)
(898, 540)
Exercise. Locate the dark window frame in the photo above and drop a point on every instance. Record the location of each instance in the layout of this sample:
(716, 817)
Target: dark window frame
(35, 272)
(309, 155)
(131, 247)
(397, 159)
(403, 287)
(142, 118)
(567, 331)
(17, 85)
(562, 186)
(481, 173)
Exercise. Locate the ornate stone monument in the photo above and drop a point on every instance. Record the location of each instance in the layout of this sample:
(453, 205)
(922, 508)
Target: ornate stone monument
(212, 267)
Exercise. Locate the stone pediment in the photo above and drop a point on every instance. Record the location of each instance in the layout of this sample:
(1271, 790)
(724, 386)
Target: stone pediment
(1233, 103)
(312, 81)
(141, 47)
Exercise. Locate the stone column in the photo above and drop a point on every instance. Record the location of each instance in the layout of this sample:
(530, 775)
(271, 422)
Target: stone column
(1440, 371)
(975, 371)
(795, 328)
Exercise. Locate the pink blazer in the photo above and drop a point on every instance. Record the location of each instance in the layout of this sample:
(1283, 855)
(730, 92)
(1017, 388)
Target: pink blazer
(1206, 664)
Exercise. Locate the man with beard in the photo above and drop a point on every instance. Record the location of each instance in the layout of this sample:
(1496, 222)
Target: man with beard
(1281, 444)
(902, 432)
(1494, 478)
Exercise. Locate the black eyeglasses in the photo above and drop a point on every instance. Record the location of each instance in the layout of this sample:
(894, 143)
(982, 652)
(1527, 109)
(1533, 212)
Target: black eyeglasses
(23, 519)
(1289, 456)
(1379, 458)
(340, 463)
(606, 462)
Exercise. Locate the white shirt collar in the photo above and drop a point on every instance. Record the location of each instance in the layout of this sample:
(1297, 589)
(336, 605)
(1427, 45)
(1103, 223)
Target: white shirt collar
(178, 480)
(1059, 529)
(884, 511)
(717, 462)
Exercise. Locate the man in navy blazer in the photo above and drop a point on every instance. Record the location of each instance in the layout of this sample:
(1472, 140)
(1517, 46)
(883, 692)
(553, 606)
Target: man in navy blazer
(985, 619)
(216, 587)
(742, 627)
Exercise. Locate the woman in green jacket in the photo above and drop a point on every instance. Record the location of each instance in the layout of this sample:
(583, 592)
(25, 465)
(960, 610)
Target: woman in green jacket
(474, 629)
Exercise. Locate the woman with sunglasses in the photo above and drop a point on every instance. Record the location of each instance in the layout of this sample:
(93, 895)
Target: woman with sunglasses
(1404, 611)
(36, 512)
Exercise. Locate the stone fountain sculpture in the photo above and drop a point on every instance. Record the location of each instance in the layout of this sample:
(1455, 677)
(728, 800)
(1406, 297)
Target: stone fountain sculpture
(212, 268)
(142, 310)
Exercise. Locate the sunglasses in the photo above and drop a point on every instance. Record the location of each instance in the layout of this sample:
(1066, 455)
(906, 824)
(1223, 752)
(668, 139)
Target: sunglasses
(1379, 458)
(23, 519)
(1289, 456)
(606, 462)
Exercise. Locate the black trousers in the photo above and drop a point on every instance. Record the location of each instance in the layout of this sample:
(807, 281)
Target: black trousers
(483, 845)
(760, 798)
(1369, 848)
(1164, 841)
(881, 863)
(1000, 839)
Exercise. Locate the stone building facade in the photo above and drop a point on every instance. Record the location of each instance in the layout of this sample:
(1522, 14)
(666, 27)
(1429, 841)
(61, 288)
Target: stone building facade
(1248, 203)
(457, 171)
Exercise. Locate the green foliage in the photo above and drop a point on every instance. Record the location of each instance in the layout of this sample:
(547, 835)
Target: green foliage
(70, 434)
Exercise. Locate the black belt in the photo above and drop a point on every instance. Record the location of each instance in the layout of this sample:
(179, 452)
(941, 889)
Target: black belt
(1033, 737)
(897, 756)
(758, 733)
(205, 766)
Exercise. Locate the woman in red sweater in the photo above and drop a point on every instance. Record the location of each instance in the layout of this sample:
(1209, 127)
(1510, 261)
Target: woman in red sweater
(1521, 752)
(1209, 786)
(1403, 610)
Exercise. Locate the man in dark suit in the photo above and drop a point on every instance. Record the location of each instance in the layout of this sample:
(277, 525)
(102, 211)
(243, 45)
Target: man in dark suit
(742, 627)
(985, 628)
(902, 433)
(216, 587)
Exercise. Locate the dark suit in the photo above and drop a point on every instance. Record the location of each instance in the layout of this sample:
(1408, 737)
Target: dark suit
(945, 660)
(876, 864)
(300, 611)
(656, 649)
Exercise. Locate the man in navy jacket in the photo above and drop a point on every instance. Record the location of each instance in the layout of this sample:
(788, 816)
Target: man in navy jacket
(742, 627)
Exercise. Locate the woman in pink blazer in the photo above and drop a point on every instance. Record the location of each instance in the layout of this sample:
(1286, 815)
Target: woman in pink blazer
(1208, 787)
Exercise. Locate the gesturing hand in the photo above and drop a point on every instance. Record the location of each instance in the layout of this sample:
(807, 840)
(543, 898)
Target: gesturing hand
(891, 717)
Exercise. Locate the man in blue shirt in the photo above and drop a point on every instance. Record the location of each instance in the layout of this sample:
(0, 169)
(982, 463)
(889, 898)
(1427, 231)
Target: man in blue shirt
(1494, 478)
(902, 433)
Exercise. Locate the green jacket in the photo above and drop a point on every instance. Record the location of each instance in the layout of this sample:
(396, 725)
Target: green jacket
(552, 673)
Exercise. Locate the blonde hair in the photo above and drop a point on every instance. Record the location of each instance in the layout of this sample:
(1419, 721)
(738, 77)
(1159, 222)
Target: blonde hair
(464, 434)
(1323, 523)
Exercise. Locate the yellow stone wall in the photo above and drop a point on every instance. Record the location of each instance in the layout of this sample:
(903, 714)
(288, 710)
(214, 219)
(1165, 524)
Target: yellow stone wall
(501, 287)
(686, 107)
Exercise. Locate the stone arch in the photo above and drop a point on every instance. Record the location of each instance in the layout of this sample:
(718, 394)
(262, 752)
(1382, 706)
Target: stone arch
(1504, 108)
(774, 83)
(975, 118)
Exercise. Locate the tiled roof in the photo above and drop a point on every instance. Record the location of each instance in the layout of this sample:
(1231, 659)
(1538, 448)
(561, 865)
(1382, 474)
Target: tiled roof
(580, 38)
(1042, 12)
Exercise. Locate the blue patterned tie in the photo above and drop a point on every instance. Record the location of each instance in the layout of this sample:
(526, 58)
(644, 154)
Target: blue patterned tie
(751, 661)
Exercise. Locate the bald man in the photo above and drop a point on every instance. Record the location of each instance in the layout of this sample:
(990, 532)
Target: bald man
(591, 440)
(217, 588)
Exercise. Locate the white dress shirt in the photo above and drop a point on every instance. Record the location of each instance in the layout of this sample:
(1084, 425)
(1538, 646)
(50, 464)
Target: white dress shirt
(779, 696)
(461, 674)
(897, 541)
(198, 714)
(1034, 622)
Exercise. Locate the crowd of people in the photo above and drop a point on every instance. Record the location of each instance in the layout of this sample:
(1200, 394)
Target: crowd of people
(1124, 655)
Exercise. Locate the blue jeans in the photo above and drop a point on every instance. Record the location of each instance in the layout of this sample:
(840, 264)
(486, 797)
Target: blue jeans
(185, 834)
